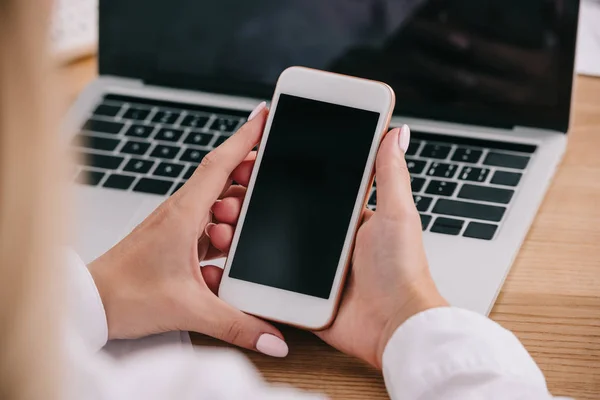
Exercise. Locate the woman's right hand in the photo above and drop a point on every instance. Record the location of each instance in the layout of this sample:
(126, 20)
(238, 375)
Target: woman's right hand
(390, 279)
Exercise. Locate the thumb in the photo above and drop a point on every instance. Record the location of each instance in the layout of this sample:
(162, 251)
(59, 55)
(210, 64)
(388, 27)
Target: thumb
(231, 325)
(212, 175)
(394, 195)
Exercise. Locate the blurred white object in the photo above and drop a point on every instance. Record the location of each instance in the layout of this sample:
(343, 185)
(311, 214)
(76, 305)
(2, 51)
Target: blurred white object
(74, 31)
(588, 42)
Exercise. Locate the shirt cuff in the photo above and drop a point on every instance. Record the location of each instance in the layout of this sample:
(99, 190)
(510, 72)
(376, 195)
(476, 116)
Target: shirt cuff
(86, 311)
(434, 346)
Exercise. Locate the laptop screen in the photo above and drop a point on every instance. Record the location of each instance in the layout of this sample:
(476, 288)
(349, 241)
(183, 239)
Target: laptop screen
(486, 62)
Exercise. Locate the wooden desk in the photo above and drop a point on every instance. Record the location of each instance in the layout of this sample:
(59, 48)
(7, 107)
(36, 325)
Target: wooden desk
(551, 299)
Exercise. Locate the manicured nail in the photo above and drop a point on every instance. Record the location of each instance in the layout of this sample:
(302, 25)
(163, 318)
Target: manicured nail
(257, 110)
(404, 140)
(272, 346)
(208, 228)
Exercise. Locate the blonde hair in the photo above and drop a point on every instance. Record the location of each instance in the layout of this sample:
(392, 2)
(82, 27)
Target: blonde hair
(30, 192)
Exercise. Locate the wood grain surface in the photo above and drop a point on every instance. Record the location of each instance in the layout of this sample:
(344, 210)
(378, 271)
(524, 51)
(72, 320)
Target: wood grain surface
(551, 299)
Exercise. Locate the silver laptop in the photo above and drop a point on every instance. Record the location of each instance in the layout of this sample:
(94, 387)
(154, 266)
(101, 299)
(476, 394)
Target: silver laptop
(485, 86)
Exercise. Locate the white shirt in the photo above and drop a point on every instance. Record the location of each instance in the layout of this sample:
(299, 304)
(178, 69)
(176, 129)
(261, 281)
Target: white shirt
(443, 353)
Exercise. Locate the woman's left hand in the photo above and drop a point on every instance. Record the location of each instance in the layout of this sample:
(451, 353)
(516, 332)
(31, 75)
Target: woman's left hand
(151, 281)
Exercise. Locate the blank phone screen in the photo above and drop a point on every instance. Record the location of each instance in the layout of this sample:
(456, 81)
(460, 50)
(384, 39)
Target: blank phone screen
(304, 195)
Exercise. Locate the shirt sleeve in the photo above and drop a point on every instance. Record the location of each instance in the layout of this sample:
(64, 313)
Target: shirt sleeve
(155, 372)
(450, 353)
(86, 315)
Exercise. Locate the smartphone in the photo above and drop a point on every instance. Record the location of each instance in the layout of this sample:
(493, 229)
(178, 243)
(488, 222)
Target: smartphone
(313, 174)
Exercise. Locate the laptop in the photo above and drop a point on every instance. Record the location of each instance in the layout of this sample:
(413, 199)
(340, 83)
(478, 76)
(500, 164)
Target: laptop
(485, 86)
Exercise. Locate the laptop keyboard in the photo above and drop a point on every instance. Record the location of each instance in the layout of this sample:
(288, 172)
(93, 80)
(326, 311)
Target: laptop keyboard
(149, 146)
(461, 186)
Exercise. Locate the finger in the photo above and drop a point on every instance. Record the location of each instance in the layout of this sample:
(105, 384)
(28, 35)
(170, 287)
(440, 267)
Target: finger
(367, 216)
(212, 276)
(203, 245)
(242, 173)
(221, 236)
(228, 210)
(226, 187)
(213, 253)
(234, 191)
(205, 186)
(222, 321)
(394, 195)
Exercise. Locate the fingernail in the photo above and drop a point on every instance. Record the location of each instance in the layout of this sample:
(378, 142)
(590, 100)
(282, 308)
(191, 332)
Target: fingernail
(208, 228)
(257, 110)
(272, 346)
(404, 138)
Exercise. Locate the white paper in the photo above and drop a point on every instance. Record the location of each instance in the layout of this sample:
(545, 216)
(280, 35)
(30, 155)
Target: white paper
(588, 42)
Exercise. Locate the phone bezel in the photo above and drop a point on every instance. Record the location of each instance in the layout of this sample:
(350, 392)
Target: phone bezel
(284, 306)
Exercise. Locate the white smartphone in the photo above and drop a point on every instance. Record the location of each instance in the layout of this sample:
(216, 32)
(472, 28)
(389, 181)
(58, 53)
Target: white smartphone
(310, 184)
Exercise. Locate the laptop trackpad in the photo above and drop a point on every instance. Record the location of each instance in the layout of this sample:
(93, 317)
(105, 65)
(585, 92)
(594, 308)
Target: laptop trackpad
(104, 217)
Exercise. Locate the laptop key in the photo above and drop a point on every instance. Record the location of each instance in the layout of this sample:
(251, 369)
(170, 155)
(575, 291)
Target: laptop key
(162, 151)
(168, 170)
(441, 188)
(472, 142)
(220, 140)
(95, 142)
(87, 177)
(96, 125)
(195, 121)
(138, 165)
(412, 148)
(153, 186)
(463, 154)
(469, 210)
(199, 138)
(416, 184)
(486, 193)
(415, 166)
(422, 202)
(224, 124)
(107, 110)
(177, 187)
(99, 160)
(167, 117)
(137, 148)
(438, 151)
(190, 171)
(117, 181)
(442, 170)
(169, 135)
(137, 114)
(190, 108)
(506, 160)
(191, 155)
(506, 178)
(477, 230)
(139, 131)
(447, 226)
(474, 174)
(425, 220)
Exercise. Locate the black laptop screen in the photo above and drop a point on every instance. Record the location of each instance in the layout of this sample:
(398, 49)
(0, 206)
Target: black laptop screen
(487, 62)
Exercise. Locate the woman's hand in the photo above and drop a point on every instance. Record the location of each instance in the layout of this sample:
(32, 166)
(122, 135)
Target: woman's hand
(151, 281)
(390, 280)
